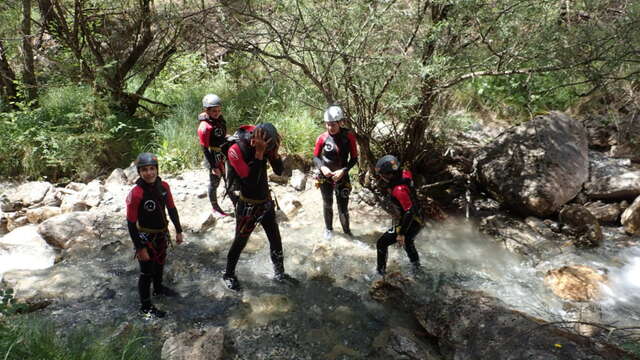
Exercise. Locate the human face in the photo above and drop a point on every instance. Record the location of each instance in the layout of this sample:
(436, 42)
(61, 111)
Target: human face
(333, 127)
(148, 173)
(214, 112)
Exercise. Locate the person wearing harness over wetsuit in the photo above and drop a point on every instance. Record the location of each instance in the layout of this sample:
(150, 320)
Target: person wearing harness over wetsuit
(335, 153)
(212, 131)
(248, 157)
(148, 228)
(405, 207)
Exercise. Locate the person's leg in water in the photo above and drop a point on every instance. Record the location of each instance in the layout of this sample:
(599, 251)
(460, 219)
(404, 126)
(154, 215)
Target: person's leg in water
(272, 230)
(382, 245)
(326, 189)
(214, 181)
(342, 190)
(245, 223)
(410, 248)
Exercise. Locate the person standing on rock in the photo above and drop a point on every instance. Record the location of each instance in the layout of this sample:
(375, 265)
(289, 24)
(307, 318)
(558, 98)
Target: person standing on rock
(212, 132)
(335, 153)
(256, 145)
(398, 185)
(148, 228)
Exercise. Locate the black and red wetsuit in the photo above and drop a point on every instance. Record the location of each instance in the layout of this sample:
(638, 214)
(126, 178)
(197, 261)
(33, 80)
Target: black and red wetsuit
(339, 151)
(405, 209)
(212, 134)
(147, 223)
(255, 204)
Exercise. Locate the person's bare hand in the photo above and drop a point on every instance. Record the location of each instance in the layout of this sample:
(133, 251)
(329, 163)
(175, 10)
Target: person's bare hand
(179, 238)
(326, 171)
(337, 175)
(260, 142)
(216, 172)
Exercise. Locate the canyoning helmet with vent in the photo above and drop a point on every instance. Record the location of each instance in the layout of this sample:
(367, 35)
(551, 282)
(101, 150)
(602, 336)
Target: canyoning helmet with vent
(271, 133)
(387, 165)
(211, 100)
(333, 113)
(145, 159)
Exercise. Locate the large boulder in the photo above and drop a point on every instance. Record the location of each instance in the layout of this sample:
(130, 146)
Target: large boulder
(631, 218)
(614, 187)
(536, 167)
(195, 344)
(472, 325)
(28, 194)
(64, 230)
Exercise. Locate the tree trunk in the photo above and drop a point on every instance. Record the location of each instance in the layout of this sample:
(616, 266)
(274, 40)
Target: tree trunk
(7, 78)
(28, 74)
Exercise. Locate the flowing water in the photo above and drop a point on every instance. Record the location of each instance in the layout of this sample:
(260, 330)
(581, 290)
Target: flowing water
(329, 314)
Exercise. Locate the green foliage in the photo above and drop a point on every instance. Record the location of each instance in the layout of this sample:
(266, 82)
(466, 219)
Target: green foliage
(72, 134)
(27, 338)
(245, 101)
(519, 96)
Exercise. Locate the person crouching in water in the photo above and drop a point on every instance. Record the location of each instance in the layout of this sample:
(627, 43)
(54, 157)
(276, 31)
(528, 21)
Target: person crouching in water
(212, 132)
(148, 228)
(335, 153)
(398, 185)
(248, 158)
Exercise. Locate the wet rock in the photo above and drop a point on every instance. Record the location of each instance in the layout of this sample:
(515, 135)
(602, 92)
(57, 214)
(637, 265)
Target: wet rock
(392, 290)
(631, 218)
(472, 325)
(536, 167)
(584, 314)
(38, 215)
(605, 213)
(195, 344)
(539, 226)
(581, 225)
(298, 180)
(614, 187)
(518, 237)
(575, 282)
(65, 230)
(290, 206)
(601, 165)
(401, 344)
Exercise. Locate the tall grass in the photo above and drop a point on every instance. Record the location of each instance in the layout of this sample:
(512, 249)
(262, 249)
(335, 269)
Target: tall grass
(28, 338)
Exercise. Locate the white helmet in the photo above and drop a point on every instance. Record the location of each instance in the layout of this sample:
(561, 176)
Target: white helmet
(333, 113)
(211, 100)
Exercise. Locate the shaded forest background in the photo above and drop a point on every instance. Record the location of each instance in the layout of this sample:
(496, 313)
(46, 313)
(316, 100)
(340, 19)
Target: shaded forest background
(85, 85)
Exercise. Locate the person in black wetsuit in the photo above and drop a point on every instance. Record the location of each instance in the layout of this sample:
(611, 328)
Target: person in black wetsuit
(398, 185)
(212, 131)
(256, 145)
(335, 153)
(148, 228)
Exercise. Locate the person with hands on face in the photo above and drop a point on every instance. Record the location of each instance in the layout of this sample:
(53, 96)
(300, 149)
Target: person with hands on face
(148, 228)
(405, 209)
(335, 153)
(248, 157)
(212, 132)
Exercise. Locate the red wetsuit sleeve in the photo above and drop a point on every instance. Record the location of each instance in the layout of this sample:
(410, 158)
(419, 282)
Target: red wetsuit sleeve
(204, 133)
(133, 203)
(237, 161)
(320, 143)
(401, 192)
(353, 145)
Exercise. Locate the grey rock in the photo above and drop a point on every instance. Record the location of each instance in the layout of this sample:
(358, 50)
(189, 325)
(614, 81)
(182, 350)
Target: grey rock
(298, 180)
(631, 218)
(536, 167)
(195, 344)
(614, 187)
